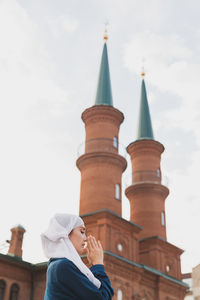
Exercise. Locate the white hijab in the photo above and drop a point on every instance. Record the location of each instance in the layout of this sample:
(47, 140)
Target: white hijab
(56, 242)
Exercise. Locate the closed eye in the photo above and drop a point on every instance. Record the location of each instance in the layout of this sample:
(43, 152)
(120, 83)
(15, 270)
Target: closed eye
(83, 231)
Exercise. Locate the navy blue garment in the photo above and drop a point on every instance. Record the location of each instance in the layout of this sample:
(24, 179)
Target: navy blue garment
(66, 282)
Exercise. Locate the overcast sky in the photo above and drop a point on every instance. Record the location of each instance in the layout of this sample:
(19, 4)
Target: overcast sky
(49, 62)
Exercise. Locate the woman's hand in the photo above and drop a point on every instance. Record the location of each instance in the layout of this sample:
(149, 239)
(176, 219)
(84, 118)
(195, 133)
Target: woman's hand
(94, 251)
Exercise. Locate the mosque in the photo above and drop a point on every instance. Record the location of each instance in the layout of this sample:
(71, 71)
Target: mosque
(140, 262)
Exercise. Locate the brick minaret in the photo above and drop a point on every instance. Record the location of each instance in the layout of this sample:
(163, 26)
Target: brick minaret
(101, 169)
(147, 196)
(146, 193)
(16, 241)
(101, 165)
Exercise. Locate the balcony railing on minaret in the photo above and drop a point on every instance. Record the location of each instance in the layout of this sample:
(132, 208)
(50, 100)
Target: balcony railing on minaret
(146, 176)
(105, 145)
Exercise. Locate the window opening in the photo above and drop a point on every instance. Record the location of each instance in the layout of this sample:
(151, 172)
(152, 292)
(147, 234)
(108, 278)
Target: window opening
(168, 268)
(117, 191)
(119, 295)
(115, 142)
(158, 173)
(119, 247)
(14, 292)
(163, 218)
(2, 289)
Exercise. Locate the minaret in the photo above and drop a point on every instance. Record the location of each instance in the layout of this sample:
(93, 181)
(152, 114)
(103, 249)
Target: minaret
(146, 193)
(101, 166)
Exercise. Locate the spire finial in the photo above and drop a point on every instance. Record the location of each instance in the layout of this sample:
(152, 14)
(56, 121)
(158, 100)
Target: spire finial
(105, 36)
(143, 72)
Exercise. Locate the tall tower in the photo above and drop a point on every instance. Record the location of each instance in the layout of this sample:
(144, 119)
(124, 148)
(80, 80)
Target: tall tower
(101, 168)
(101, 165)
(147, 196)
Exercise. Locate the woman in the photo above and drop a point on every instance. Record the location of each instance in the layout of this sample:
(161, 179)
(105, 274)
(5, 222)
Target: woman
(68, 278)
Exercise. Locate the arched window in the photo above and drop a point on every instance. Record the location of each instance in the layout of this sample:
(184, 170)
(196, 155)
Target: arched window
(14, 292)
(117, 191)
(119, 295)
(2, 289)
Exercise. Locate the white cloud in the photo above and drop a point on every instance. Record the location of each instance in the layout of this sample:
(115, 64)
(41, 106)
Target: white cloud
(63, 23)
(26, 70)
(31, 103)
(161, 53)
(170, 67)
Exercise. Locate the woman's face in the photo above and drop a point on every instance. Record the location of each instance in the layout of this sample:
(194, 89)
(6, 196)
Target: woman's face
(78, 239)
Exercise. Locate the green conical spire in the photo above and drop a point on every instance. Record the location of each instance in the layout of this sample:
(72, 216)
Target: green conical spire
(104, 92)
(145, 130)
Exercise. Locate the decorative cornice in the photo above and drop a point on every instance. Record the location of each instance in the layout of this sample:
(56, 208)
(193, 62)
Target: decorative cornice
(157, 240)
(148, 269)
(14, 260)
(99, 157)
(147, 187)
(102, 112)
(145, 145)
(110, 214)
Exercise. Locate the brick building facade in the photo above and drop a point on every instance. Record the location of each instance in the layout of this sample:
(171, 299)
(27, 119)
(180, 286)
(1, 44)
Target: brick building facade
(193, 280)
(139, 260)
